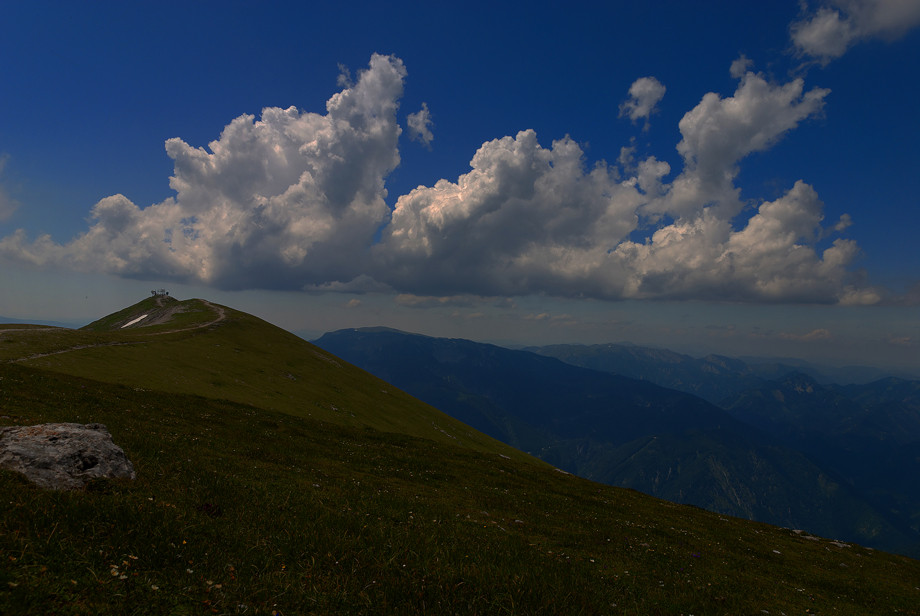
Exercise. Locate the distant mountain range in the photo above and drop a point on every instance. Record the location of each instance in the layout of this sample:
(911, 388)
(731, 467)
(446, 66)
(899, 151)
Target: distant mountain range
(713, 377)
(12, 321)
(760, 441)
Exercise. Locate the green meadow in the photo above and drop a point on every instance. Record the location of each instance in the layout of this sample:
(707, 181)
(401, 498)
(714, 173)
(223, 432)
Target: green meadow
(273, 477)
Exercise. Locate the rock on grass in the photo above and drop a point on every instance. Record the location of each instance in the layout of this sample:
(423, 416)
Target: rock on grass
(63, 456)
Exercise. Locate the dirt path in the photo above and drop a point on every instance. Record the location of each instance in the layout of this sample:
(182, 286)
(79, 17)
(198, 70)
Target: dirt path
(219, 311)
(68, 350)
(4, 330)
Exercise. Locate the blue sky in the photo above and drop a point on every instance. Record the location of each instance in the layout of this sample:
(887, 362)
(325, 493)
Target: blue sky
(711, 177)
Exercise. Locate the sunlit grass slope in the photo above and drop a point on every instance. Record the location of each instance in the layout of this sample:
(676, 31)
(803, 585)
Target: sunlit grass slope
(249, 506)
(217, 352)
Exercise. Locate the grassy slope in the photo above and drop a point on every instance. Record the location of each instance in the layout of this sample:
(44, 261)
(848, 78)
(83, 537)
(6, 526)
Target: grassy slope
(250, 500)
(243, 359)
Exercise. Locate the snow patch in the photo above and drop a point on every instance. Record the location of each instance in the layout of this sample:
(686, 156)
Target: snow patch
(138, 319)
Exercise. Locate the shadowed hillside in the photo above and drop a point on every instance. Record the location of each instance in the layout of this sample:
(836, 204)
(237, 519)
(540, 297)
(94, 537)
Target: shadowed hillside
(632, 433)
(274, 477)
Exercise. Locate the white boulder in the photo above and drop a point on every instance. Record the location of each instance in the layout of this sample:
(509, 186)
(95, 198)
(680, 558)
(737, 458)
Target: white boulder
(63, 456)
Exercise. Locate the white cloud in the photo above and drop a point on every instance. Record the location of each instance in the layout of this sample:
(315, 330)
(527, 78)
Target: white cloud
(719, 132)
(772, 258)
(852, 295)
(844, 223)
(644, 95)
(295, 200)
(282, 201)
(524, 218)
(420, 125)
(826, 33)
(740, 66)
(649, 174)
(41, 252)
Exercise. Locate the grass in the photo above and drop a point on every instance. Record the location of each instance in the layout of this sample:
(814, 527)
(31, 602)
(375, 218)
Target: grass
(242, 359)
(242, 509)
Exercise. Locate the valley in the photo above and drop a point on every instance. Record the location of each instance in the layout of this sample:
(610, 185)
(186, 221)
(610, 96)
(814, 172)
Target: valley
(837, 461)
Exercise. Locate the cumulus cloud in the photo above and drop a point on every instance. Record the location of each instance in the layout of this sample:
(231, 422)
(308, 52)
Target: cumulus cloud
(279, 201)
(827, 32)
(524, 218)
(719, 132)
(773, 257)
(740, 66)
(644, 95)
(420, 125)
(296, 200)
(529, 219)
